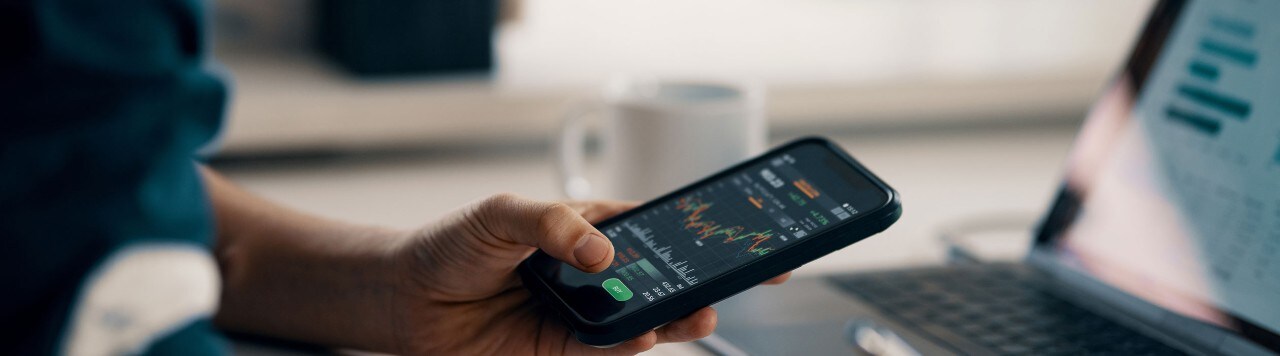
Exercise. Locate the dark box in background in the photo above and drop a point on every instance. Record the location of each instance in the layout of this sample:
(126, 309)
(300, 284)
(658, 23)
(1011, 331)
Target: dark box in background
(388, 37)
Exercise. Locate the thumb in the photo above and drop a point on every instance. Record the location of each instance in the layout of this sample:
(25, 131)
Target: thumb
(554, 228)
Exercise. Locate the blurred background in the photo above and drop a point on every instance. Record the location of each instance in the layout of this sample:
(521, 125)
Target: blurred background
(394, 112)
(829, 64)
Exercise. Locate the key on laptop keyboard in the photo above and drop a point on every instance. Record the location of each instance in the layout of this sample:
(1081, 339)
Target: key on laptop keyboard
(994, 309)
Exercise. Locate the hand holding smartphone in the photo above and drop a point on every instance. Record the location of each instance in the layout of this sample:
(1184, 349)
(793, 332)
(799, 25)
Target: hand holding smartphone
(715, 238)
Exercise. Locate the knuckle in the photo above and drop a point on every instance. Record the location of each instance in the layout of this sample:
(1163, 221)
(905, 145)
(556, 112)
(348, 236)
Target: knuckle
(499, 202)
(502, 199)
(560, 210)
(488, 214)
(552, 216)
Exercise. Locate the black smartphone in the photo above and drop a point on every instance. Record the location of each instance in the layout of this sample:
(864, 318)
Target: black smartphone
(716, 238)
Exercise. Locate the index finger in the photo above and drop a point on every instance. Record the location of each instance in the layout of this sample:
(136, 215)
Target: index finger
(779, 279)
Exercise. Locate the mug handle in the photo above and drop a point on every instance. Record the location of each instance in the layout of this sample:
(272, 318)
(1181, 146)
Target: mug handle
(570, 147)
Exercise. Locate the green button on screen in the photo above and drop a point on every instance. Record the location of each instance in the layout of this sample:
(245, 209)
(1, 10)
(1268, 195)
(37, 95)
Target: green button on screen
(619, 291)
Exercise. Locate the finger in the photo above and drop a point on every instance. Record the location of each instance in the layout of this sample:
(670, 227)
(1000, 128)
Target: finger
(596, 211)
(779, 279)
(692, 327)
(555, 228)
(634, 346)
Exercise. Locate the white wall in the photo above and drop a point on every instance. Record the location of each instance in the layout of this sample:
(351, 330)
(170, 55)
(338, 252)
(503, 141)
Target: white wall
(804, 42)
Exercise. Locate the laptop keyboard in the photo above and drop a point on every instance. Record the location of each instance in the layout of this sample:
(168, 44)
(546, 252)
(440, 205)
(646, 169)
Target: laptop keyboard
(994, 309)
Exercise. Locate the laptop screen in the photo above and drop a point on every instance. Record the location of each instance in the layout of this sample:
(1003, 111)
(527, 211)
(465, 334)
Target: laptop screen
(1172, 192)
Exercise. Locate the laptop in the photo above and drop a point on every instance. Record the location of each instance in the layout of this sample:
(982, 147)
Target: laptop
(1164, 237)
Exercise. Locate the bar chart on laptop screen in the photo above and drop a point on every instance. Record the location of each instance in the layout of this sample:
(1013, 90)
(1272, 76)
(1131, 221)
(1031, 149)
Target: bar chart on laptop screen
(1198, 105)
(1212, 114)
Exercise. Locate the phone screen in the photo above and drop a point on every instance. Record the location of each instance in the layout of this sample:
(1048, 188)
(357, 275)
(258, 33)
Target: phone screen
(691, 238)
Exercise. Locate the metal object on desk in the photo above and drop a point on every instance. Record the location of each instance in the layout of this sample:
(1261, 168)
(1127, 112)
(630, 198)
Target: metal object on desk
(874, 339)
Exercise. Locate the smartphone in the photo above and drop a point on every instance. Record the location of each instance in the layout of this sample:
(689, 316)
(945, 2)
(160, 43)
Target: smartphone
(715, 238)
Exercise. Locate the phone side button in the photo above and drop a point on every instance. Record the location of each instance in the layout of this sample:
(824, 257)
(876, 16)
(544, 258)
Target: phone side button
(619, 291)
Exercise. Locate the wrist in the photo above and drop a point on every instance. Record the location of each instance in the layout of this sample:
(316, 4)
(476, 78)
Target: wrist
(321, 282)
(368, 276)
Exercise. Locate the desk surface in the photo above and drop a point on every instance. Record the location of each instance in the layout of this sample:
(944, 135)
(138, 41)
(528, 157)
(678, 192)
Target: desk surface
(944, 176)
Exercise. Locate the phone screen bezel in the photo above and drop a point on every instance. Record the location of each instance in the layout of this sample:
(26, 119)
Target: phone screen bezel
(839, 161)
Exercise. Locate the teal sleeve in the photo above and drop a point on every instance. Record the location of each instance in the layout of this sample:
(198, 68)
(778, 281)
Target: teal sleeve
(196, 339)
(102, 105)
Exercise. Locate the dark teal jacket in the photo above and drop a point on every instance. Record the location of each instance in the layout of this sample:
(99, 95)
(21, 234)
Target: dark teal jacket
(102, 106)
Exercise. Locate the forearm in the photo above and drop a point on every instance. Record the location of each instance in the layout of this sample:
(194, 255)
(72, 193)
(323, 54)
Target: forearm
(301, 277)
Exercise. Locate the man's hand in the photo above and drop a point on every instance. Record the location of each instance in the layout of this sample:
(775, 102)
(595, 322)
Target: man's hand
(461, 294)
(450, 288)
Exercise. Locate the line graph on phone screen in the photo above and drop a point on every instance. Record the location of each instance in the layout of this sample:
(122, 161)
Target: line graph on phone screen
(700, 235)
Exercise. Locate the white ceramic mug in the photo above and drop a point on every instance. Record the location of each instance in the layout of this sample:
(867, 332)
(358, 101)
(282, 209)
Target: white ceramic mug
(659, 135)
